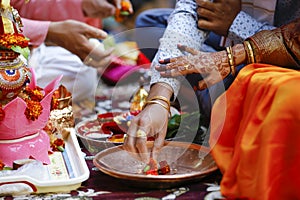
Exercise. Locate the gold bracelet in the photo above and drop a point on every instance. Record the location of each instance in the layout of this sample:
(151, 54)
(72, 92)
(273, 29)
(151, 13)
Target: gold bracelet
(164, 99)
(230, 60)
(249, 51)
(159, 103)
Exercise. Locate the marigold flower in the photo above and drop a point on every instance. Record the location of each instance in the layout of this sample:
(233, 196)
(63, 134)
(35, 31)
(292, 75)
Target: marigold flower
(33, 110)
(16, 39)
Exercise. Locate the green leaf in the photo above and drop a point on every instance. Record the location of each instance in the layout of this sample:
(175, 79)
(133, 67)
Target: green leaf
(23, 51)
(125, 13)
(190, 122)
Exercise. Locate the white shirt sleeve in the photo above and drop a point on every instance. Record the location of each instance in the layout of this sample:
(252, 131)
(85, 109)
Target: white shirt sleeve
(182, 29)
(245, 26)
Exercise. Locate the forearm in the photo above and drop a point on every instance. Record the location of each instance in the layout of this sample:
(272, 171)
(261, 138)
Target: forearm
(40, 9)
(279, 47)
(182, 29)
(160, 89)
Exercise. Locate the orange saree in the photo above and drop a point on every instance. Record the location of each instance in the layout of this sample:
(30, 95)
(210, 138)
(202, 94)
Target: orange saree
(256, 140)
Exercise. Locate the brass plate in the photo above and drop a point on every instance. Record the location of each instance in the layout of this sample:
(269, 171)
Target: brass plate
(188, 163)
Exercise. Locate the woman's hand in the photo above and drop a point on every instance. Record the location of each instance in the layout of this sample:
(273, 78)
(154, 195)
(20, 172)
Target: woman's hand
(217, 15)
(213, 66)
(152, 121)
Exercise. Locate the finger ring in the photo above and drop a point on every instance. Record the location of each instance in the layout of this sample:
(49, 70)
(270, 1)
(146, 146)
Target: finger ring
(89, 60)
(125, 137)
(186, 67)
(141, 134)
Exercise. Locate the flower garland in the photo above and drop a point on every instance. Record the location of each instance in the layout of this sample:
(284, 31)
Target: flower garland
(13, 39)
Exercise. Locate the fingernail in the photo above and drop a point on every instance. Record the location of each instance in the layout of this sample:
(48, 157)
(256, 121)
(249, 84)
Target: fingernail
(180, 46)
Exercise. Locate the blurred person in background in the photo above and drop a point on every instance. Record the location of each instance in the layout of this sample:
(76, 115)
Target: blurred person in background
(60, 41)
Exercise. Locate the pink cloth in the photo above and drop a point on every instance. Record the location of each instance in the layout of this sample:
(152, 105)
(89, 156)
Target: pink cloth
(37, 14)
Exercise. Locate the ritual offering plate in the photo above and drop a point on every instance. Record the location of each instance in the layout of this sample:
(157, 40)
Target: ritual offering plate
(187, 162)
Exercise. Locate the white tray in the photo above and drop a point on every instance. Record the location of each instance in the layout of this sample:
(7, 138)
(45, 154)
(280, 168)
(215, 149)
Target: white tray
(74, 163)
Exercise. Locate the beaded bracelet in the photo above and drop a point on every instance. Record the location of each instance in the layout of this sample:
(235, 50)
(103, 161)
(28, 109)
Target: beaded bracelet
(249, 51)
(230, 60)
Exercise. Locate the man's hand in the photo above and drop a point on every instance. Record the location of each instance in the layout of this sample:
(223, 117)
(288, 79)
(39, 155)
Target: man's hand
(100, 8)
(74, 36)
(217, 16)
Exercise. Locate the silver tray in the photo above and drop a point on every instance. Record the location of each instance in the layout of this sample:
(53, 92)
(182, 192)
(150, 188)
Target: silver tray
(71, 161)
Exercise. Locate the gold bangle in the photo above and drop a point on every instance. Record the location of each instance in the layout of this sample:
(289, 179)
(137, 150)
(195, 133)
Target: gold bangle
(159, 103)
(164, 99)
(249, 51)
(230, 60)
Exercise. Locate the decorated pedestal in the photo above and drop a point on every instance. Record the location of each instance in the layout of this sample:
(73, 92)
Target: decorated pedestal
(22, 138)
(24, 107)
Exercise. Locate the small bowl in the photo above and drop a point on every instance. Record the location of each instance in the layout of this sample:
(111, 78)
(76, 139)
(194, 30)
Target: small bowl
(94, 136)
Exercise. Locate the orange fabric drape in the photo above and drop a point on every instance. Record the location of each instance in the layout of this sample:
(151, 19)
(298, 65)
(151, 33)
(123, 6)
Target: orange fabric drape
(255, 134)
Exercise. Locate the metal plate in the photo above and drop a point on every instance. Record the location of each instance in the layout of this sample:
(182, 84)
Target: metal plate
(188, 163)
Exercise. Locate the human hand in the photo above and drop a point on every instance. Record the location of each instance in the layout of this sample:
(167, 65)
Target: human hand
(213, 66)
(123, 11)
(100, 8)
(74, 36)
(125, 3)
(152, 121)
(218, 15)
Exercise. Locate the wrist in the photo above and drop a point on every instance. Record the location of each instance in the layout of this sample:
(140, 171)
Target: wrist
(165, 105)
(50, 37)
(161, 89)
(240, 56)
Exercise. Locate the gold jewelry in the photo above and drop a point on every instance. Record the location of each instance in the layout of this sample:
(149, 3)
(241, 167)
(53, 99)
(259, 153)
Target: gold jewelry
(141, 134)
(159, 103)
(186, 67)
(164, 99)
(249, 51)
(231, 60)
(89, 60)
